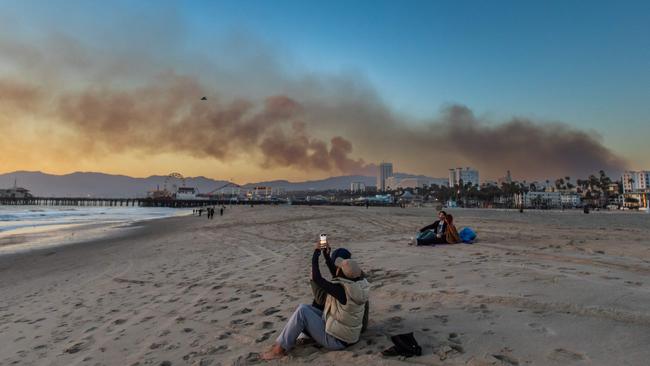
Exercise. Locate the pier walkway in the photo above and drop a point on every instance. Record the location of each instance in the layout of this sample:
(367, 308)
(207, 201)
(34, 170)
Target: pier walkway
(124, 202)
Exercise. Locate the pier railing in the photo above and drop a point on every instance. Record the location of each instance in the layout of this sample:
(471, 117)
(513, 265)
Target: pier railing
(123, 202)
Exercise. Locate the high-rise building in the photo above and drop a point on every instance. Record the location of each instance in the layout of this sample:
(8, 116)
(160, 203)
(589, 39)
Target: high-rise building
(467, 175)
(635, 181)
(385, 171)
(357, 187)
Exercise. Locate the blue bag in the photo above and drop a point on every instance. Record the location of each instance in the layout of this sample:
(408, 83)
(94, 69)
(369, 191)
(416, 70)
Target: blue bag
(467, 235)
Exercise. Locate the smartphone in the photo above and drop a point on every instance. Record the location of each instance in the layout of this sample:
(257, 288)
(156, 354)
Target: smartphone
(323, 241)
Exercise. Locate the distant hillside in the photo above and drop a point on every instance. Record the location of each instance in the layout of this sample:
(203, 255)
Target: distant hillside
(342, 182)
(88, 184)
(95, 184)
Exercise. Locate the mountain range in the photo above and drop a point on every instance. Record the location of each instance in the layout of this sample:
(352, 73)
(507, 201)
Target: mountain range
(90, 184)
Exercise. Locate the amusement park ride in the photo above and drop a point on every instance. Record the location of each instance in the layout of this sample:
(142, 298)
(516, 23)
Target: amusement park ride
(174, 188)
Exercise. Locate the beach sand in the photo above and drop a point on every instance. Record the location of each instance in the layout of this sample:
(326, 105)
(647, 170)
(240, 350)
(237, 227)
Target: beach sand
(538, 288)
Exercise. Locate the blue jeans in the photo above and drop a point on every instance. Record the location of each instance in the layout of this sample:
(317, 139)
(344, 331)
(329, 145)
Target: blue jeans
(309, 320)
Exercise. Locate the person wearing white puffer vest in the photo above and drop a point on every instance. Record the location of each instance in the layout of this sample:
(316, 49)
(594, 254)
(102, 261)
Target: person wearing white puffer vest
(339, 324)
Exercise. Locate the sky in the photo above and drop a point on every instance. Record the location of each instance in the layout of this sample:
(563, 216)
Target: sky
(304, 89)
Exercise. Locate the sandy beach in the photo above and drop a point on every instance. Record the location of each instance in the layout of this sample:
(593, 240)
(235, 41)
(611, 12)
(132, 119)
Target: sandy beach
(538, 288)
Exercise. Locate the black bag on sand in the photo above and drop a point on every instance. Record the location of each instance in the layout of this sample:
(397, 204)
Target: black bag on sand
(404, 345)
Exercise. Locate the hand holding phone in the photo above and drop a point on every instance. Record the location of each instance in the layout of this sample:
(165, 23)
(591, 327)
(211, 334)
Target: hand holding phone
(323, 241)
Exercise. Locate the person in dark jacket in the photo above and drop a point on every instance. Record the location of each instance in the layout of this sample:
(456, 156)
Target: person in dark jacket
(434, 233)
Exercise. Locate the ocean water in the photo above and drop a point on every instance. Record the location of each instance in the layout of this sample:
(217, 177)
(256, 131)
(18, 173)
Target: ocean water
(30, 227)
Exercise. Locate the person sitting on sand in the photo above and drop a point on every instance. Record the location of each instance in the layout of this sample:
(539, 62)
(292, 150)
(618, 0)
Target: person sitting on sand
(320, 295)
(339, 324)
(451, 233)
(434, 233)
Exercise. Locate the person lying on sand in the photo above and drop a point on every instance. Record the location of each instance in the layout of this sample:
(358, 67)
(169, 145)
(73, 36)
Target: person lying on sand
(333, 262)
(434, 233)
(339, 324)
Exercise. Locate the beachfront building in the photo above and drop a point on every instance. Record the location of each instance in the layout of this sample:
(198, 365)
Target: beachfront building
(636, 181)
(467, 175)
(229, 190)
(357, 187)
(186, 193)
(505, 180)
(385, 170)
(392, 183)
(15, 192)
(260, 192)
(570, 199)
(539, 199)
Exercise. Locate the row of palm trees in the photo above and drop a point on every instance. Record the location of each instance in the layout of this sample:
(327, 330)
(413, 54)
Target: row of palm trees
(596, 188)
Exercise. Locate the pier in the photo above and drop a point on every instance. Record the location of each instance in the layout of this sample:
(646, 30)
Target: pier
(123, 202)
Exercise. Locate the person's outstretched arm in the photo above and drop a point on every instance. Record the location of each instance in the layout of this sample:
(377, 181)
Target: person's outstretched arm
(430, 227)
(329, 262)
(333, 289)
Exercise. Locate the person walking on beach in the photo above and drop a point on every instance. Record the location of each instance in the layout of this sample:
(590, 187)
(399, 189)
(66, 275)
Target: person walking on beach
(221, 211)
(339, 324)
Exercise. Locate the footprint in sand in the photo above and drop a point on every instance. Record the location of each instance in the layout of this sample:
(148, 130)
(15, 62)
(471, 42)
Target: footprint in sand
(264, 336)
(76, 347)
(394, 308)
(270, 311)
(266, 325)
(506, 359)
(541, 329)
(242, 311)
(563, 356)
(251, 359)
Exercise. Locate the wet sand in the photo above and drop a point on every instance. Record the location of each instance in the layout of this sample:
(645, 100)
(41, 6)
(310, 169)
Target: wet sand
(539, 288)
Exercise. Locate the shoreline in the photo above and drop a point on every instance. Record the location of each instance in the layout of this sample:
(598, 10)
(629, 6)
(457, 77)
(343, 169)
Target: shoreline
(116, 234)
(52, 235)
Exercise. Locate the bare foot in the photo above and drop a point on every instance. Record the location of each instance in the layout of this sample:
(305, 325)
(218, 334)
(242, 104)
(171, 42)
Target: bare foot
(274, 353)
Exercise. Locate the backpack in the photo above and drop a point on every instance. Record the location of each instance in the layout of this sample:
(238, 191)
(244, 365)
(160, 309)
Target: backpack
(467, 235)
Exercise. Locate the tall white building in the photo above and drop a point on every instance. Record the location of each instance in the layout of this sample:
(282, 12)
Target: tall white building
(467, 175)
(385, 171)
(635, 181)
(357, 187)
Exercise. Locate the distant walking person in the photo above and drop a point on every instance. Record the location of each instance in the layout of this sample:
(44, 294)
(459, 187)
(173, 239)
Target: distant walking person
(221, 211)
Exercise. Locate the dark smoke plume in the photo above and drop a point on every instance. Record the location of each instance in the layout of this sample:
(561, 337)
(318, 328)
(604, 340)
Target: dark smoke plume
(314, 123)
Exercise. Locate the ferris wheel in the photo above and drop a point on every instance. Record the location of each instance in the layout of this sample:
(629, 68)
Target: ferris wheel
(173, 179)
